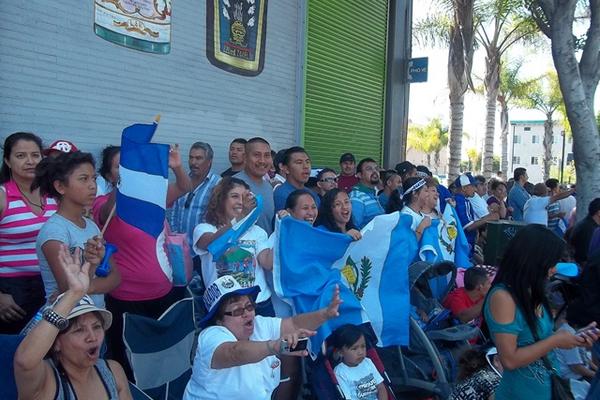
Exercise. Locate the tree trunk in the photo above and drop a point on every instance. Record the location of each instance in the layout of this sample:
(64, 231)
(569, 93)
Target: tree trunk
(548, 133)
(492, 83)
(428, 160)
(436, 160)
(457, 107)
(504, 135)
(578, 83)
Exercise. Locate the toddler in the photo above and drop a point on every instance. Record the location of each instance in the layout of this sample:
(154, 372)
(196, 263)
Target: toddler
(356, 374)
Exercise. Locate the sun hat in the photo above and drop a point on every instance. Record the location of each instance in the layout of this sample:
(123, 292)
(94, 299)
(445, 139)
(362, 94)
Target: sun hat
(63, 146)
(86, 305)
(465, 180)
(216, 292)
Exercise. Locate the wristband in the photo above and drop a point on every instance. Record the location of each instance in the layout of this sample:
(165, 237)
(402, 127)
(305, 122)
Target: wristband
(271, 349)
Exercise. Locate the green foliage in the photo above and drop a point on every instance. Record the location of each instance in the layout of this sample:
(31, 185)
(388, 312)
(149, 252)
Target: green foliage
(543, 94)
(428, 139)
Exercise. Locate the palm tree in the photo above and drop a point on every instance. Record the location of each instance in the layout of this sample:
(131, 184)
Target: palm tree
(544, 95)
(510, 89)
(429, 139)
(503, 23)
(453, 26)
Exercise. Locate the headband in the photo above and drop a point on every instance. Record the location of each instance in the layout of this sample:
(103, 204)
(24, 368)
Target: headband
(418, 185)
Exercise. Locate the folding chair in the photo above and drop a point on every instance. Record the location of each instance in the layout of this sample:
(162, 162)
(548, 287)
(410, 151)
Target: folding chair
(137, 393)
(160, 351)
(8, 344)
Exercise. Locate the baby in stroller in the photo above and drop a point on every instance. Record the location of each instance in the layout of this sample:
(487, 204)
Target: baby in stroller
(356, 374)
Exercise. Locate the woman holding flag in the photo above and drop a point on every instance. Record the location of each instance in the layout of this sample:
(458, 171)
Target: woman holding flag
(71, 179)
(335, 214)
(231, 201)
(145, 288)
(416, 194)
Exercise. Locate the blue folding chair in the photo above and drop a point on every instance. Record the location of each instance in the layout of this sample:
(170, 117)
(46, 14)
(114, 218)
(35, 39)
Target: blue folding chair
(8, 346)
(160, 351)
(137, 393)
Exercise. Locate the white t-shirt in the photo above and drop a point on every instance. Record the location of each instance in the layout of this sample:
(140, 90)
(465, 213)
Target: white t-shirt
(239, 260)
(567, 204)
(536, 210)
(479, 206)
(248, 382)
(282, 308)
(416, 217)
(360, 382)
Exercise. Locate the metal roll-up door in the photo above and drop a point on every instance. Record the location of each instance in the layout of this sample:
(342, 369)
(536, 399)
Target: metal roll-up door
(345, 75)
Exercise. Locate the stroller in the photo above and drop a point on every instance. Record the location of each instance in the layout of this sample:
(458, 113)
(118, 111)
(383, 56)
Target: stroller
(428, 365)
(321, 377)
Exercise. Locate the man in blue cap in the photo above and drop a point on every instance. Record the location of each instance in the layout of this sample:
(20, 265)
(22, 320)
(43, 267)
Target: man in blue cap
(465, 188)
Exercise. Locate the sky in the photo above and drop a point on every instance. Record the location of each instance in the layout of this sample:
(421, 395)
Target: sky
(430, 99)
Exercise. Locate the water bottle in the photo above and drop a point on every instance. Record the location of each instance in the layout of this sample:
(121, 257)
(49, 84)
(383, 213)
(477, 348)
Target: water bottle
(103, 269)
(34, 321)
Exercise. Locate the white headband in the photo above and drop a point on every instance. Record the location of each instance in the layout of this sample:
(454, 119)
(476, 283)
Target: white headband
(418, 185)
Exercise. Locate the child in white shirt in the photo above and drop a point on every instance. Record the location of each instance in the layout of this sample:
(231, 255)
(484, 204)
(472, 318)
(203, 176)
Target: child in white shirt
(356, 374)
(536, 208)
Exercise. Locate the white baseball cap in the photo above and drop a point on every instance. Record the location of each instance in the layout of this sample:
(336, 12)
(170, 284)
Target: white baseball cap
(225, 286)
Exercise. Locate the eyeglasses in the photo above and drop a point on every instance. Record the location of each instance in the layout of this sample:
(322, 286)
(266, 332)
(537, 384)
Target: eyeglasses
(188, 200)
(329, 180)
(238, 312)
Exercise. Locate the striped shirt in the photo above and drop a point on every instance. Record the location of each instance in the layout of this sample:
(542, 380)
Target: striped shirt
(365, 205)
(19, 227)
(188, 210)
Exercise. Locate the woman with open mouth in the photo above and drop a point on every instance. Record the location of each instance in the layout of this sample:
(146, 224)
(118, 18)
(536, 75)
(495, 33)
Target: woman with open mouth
(59, 357)
(335, 214)
(237, 353)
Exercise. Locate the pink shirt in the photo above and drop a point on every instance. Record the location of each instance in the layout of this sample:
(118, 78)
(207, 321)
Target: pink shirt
(19, 227)
(142, 276)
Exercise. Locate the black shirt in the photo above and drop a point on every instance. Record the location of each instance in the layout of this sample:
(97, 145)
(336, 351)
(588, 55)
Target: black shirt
(586, 308)
(581, 237)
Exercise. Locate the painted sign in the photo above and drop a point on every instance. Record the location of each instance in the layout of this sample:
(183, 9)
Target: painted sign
(236, 33)
(138, 24)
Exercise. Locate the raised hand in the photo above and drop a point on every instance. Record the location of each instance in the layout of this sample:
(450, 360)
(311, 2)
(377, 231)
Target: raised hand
(78, 278)
(332, 309)
(174, 157)
(249, 202)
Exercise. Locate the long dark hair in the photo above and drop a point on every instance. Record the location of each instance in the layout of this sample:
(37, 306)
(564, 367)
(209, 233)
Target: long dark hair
(50, 170)
(325, 217)
(108, 153)
(10, 141)
(524, 269)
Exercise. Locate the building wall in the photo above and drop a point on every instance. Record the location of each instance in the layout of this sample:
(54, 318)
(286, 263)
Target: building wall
(59, 80)
(523, 152)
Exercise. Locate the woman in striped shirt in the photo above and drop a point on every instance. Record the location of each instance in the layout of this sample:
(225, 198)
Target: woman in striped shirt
(22, 212)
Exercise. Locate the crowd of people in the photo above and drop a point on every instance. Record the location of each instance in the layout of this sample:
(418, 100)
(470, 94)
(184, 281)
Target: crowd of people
(57, 214)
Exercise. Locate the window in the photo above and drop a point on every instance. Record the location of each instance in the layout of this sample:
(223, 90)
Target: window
(516, 160)
(534, 139)
(534, 160)
(527, 128)
(516, 139)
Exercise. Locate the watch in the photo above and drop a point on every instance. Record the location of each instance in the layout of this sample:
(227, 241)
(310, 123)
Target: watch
(55, 319)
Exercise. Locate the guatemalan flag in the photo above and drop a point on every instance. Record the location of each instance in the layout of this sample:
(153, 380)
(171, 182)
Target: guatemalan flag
(372, 274)
(142, 191)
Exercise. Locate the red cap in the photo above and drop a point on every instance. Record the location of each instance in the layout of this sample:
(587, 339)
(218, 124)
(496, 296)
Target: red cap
(61, 145)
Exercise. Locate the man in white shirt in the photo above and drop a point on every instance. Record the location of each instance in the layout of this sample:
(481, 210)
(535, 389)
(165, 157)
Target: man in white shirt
(536, 208)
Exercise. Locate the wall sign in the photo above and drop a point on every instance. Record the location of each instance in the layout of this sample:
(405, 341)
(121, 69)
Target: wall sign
(235, 35)
(139, 24)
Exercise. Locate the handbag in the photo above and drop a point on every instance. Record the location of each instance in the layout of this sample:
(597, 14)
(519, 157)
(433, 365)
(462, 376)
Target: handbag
(180, 258)
(561, 388)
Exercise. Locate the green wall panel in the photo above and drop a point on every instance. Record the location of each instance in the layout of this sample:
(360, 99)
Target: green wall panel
(345, 75)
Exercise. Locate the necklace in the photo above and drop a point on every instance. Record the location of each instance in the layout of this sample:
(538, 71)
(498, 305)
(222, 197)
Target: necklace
(40, 206)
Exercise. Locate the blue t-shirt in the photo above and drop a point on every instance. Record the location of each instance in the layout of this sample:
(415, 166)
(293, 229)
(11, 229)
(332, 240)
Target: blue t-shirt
(282, 192)
(517, 198)
(466, 216)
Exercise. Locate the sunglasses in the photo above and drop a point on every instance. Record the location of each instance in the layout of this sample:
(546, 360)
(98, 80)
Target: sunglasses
(238, 312)
(329, 180)
(188, 200)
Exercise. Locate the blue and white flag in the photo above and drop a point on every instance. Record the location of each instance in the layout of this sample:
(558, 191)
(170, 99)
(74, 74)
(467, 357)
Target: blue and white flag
(375, 269)
(372, 272)
(219, 246)
(445, 240)
(303, 273)
(144, 172)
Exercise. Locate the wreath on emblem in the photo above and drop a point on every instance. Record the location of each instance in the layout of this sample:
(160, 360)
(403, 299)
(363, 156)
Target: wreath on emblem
(358, 278)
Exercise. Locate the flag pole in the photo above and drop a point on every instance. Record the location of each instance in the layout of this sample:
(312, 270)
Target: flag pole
(114, 207)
